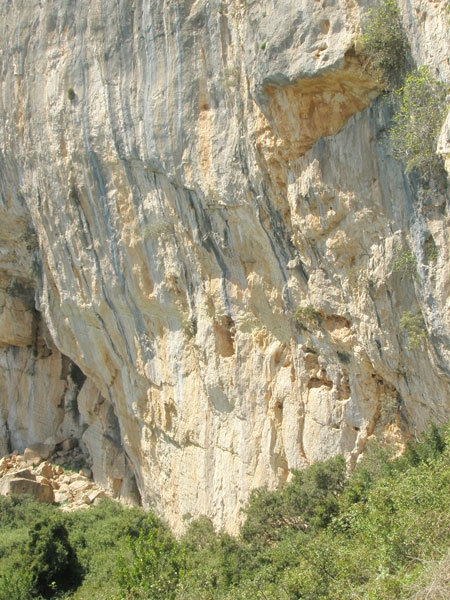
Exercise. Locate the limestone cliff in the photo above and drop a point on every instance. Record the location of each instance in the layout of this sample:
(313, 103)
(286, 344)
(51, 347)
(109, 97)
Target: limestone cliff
(201, 222)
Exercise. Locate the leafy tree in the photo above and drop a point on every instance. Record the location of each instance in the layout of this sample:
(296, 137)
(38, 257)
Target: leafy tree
(428, 447)
(309, 501)
(377, 462)
(100, 536)
(417, 124)
(156, 569)
(214, 561)
(313, 492)
(384, 40)
(53, 564)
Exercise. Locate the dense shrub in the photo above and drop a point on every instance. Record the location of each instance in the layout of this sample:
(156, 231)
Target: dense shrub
(421, 99)
(385, 42)
(417, 124)
(96, 538)
(52, 562)
(156, 567)
(308, 501)
(100, 536)
(214, 562)
(414, 326)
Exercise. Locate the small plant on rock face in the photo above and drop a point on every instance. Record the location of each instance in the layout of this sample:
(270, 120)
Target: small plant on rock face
(189, 328)
(384, 41)
(306, 315)
(433, 253)
(414, 326)
(431, 250)
(405, 263)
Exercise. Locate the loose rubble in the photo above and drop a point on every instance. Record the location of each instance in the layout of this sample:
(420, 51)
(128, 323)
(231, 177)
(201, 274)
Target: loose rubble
(47, 472)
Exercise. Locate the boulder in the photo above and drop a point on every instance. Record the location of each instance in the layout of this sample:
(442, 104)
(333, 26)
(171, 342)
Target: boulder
(39, 452)
(20, 485)
(23, 474)
(45, 469)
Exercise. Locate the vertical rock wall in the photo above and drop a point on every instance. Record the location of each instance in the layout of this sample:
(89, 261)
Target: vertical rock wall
(209, 220)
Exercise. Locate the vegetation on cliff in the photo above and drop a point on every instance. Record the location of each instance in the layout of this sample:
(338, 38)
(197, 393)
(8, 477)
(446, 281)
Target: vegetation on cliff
(385, 42)
(420, 100)
(383, 533)
(418, 122)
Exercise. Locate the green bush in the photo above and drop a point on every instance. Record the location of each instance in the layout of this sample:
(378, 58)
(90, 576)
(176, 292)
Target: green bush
(385, 42)
(156, 568)
(52, 562)
(405, 263)
(306, 503)
(17, 516)
(16, 584)
(214, 562)
(100, 536)
(417, 124)
(427, 449)
(32, 551)
(414, 326)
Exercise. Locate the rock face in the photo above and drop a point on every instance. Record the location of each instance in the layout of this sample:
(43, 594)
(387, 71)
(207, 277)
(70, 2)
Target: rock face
(202, 241)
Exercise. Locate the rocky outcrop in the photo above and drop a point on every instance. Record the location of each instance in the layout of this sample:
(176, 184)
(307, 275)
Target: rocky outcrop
(203, 271)
(24, 482)
(48, 481)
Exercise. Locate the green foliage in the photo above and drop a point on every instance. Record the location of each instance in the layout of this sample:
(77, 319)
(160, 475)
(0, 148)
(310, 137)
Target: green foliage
(305, 316)
(405, 263)
(414, 326)
(375, 464)
(309, 501)
(156, 569)
(417, 124)
(18, 512)
(421, 98)
(37, 559)
(213, 561)
(427, 449)
(381, 533)
(97, 537)
(313, 492)
(17, 516)
(16, 584)
(53, 564)
(100, 536)
(385, 42)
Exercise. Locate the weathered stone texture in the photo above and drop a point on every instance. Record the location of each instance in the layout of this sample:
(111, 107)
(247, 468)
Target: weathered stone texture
(178, 178)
